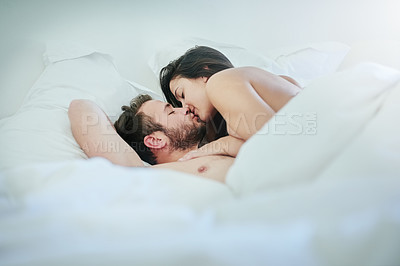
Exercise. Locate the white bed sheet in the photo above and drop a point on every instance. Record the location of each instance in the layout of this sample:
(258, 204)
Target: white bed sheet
(54, 215)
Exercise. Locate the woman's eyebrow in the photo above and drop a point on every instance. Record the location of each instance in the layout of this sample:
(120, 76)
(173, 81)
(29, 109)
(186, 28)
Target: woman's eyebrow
(175, 93)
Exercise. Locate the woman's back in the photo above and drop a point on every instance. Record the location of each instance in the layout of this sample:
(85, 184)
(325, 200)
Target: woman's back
(247, 97)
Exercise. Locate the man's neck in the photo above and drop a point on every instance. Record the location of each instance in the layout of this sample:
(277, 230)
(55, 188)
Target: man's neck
(168, 156)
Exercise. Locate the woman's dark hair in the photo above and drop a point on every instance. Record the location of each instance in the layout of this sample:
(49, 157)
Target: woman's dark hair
(200, 61)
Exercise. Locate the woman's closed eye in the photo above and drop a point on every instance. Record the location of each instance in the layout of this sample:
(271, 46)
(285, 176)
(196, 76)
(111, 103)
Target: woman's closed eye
(179, 94)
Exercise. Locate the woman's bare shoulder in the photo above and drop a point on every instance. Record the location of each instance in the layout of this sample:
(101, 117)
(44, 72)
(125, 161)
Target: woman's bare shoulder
(237, 71)
(237, 74)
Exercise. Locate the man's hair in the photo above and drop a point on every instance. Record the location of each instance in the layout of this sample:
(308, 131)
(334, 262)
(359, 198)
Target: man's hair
(133, 126)
(200, 61)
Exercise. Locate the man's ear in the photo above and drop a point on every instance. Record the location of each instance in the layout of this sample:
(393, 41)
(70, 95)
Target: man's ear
(156, 140)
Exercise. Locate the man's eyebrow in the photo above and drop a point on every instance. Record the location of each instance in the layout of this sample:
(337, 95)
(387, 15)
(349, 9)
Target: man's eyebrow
(166, 106)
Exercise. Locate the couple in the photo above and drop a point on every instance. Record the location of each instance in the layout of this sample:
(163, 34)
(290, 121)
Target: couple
(212, 109)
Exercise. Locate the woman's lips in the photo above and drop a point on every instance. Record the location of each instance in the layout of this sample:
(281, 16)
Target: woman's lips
(195, 113)
(195, 116)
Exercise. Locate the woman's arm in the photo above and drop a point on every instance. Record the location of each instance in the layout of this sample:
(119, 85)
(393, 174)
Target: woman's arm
(291, 80)
(248, 97)
(95, 134)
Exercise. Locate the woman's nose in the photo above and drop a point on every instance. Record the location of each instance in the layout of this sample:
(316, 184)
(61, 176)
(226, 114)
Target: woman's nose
(183, 103)
(186, 110)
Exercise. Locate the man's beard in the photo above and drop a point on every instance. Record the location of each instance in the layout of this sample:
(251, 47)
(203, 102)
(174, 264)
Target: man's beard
(186, 136)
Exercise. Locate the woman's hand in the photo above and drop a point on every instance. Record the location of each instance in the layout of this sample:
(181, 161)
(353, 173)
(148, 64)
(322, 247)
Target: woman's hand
(227, 146)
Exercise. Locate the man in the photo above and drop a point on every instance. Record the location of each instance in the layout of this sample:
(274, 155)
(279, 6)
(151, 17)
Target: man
(160, 133)
(147, 125)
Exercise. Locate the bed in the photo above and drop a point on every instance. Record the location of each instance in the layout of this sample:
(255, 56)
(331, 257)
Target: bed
(319, 184)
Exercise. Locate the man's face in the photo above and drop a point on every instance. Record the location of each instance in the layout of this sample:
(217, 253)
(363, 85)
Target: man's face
(182, 127)
(168, 116)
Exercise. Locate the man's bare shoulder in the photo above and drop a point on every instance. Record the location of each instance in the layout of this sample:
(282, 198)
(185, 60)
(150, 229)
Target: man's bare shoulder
(214, 167)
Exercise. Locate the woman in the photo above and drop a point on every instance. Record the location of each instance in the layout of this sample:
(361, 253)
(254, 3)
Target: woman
(205, 81)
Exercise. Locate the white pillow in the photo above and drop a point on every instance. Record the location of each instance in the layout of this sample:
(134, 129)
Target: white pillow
(303, 63)
(307, 62)
(40, 130)
(21, 66)
(382, 52)
(312, 129)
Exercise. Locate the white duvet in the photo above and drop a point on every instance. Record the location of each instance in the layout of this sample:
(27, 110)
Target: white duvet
(326, 196)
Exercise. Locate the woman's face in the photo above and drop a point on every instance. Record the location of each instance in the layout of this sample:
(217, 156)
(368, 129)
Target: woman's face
(192, 94)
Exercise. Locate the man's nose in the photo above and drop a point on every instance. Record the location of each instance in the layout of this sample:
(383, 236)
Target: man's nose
(183, 110)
